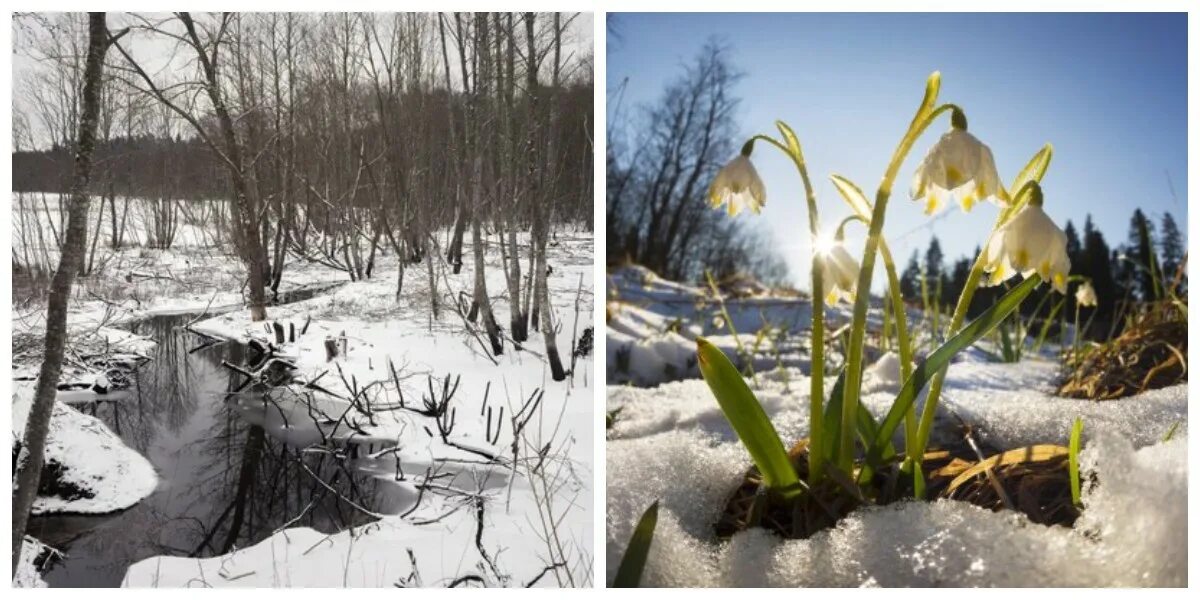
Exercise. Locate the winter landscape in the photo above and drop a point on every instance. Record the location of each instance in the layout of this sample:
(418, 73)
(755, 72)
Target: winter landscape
(792, 400)
(302, 300)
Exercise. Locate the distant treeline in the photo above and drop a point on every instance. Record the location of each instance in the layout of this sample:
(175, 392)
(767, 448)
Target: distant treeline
(1147, 264)
(141, 166)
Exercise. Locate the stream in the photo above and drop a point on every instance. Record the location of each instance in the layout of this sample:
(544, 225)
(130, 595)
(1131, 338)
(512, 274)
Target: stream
(224, 482)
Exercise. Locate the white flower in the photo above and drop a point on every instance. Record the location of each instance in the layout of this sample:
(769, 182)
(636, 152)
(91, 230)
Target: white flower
(738, 185)
(839, 274)
(1085, 295)
(958, 167)
(1029, 243)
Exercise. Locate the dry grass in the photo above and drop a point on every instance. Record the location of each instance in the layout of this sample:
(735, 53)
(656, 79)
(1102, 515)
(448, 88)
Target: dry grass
(1150, 353)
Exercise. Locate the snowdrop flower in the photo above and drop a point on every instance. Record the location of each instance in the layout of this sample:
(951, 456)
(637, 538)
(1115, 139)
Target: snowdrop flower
(958, 167)
(1029, 243)
(738, 185)
(1085, 295)
(839, 273)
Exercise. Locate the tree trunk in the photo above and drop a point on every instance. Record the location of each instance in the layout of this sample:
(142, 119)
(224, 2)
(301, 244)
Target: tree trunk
(481, 296)
(37, 426)
(542, 294)
(517, 318)
(454, 254)
(244, 209)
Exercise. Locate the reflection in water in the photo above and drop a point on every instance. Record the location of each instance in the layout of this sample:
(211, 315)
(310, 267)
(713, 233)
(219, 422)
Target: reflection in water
(223, 483)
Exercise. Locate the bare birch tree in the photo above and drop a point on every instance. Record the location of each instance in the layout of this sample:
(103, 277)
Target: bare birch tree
(37, 426)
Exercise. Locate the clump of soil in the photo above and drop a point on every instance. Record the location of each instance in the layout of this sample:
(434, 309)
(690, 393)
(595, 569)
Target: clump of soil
(1150, 353)
(1033, 480)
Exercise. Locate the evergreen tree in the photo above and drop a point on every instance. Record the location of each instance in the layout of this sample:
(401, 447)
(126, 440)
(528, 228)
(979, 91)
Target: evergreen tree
(1173, 250)
(910, 279)
(956, 282)
(935, 272)
(1074, 245)
(933, 260)
(1140, 253)
(1096, 263)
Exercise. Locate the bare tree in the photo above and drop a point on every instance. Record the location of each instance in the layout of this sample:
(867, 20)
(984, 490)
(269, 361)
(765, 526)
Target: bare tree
(37, 426)
(246, 206)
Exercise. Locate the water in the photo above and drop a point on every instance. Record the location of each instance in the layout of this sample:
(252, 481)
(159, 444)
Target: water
(223, 481)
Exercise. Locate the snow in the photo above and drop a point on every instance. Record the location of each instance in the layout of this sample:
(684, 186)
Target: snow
(1133, 531)
(27, 575)
(671, 443)
(439, 520)
(94, 460)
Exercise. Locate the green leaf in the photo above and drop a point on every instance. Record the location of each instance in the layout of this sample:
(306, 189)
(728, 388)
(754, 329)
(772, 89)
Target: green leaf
(1073, 455)
(1034, 170)
(940, 358)
(867, 427)
(918, 480)
(793, 142)
(854, 197)
(1046, 323)
(748, 419)
(1171, 432)
(629, 573)
(932, 86)
(833, 416)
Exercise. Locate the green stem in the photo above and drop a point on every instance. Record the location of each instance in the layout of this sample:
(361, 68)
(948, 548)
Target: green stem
(1075, 336)
(906, 351)
(845, 455)
(956, 321)
(900, 316)
(968, 293)
(816, 437)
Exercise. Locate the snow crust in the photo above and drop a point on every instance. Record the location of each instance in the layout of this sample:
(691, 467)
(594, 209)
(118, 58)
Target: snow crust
(93, 459)
(672, 444)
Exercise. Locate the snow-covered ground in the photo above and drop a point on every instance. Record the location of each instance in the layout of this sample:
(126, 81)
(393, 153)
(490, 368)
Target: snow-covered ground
(672, 444)
(476, 516)
(96, 472)
(519, 500)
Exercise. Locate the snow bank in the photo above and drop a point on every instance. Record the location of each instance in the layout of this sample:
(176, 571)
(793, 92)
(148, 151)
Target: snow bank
(100, 473)
(672, 444)
(392, 551)
(27, 575)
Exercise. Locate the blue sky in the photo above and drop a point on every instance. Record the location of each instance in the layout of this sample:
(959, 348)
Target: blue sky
(1109, 91)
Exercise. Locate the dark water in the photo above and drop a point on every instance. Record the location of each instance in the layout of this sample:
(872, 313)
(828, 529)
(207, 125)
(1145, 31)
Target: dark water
(223, 481)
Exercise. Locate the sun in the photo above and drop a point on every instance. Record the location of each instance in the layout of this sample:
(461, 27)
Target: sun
(824, 243)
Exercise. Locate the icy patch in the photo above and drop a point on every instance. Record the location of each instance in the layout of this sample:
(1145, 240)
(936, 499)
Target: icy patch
(106, 474)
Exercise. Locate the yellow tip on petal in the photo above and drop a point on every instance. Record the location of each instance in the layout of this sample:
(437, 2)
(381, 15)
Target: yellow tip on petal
(932, 203)
(968, 201)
